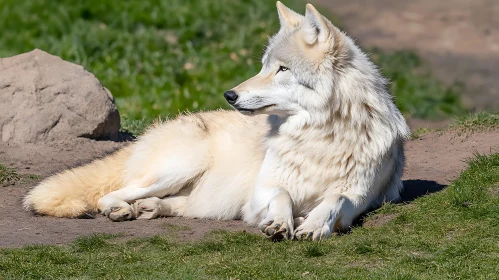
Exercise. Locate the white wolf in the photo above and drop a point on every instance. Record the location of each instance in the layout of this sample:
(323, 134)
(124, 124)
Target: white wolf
(323, 142)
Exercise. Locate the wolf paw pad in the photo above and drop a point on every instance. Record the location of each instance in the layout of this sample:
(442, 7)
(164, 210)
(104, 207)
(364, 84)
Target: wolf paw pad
(276, 231)
(148, 208)
(118, 214)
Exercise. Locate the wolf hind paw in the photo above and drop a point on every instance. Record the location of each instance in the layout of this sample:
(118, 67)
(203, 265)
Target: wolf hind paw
(147, 209)
(119, 214)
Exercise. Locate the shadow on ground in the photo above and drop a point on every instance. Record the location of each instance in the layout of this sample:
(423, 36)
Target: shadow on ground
(414, 189)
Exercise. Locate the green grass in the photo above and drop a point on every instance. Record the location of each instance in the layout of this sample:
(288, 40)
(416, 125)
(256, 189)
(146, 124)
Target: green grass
(8, 176)
(421, 131)
(416, 93)
(452, 234)
(466, 123)
(135, 126)
(477, 121)
(162, 57)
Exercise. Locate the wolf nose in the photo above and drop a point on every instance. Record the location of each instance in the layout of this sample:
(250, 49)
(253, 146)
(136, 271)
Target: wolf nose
(231, 96)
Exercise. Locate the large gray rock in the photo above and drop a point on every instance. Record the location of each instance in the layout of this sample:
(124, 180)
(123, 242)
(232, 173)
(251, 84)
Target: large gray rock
(44, 98)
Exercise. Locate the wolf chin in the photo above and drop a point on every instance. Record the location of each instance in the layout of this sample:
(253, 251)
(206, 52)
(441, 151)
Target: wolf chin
(316, 141)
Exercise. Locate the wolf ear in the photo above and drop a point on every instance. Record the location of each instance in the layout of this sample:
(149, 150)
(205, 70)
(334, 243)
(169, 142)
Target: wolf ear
(288, 17)
(315, 26)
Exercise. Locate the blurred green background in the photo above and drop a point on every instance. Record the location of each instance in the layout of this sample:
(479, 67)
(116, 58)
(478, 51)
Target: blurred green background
(159, 58)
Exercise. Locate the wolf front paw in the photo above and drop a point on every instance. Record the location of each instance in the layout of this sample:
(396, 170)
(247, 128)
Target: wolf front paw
(119, 214)
(148, 208)
(277, 230)
(312, 230)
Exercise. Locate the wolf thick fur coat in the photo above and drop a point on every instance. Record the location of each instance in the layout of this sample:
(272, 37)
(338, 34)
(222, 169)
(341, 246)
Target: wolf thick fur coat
(316, 142)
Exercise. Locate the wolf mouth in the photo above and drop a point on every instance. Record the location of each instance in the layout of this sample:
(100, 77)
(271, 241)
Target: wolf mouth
(245, 110)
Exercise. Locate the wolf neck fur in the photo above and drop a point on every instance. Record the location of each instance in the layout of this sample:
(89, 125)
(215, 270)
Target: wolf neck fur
(355, 93)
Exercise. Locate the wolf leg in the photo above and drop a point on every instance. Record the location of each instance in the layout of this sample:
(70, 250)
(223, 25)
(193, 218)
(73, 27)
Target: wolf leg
(334, 212)
(271, 209)
(115, 205)
(153, 207)
(394, 187)
(392, 192)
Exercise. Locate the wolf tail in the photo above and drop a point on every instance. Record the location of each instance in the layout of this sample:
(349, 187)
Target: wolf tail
(75, 192)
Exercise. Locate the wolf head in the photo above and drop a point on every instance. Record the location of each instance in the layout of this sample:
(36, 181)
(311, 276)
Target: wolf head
(299, 67)
(314, 74)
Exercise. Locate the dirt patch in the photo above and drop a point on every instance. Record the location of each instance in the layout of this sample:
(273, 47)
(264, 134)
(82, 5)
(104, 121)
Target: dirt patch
(494, 191)
(432, 162)
(458, 38)
(18, 227)
(379, 220)
(47, 158)
(437, 158)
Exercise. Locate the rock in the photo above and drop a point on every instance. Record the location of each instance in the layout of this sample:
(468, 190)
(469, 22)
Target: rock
(44, 98)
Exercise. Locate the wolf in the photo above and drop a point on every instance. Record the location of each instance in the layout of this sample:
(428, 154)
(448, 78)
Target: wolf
(314, 141)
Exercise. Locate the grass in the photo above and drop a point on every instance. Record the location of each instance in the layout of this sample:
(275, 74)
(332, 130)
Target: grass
(162, 57)
(421, 131)
(466, 123)
(8, 175)
(416, 93)
(477, 121)
(135, 126)
(447, 235)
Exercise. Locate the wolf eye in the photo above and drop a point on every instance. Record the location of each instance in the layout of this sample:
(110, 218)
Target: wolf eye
(282, 69)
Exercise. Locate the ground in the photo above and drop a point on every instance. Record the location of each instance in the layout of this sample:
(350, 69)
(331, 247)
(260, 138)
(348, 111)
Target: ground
(433, 161)
(458, 38)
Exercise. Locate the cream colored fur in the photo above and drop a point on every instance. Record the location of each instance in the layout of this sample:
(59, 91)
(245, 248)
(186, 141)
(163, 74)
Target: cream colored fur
(319, 142)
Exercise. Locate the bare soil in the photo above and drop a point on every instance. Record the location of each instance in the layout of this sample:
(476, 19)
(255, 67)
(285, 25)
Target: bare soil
(379, 220)
(458, 38)
(432, 162)
(19, 227)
